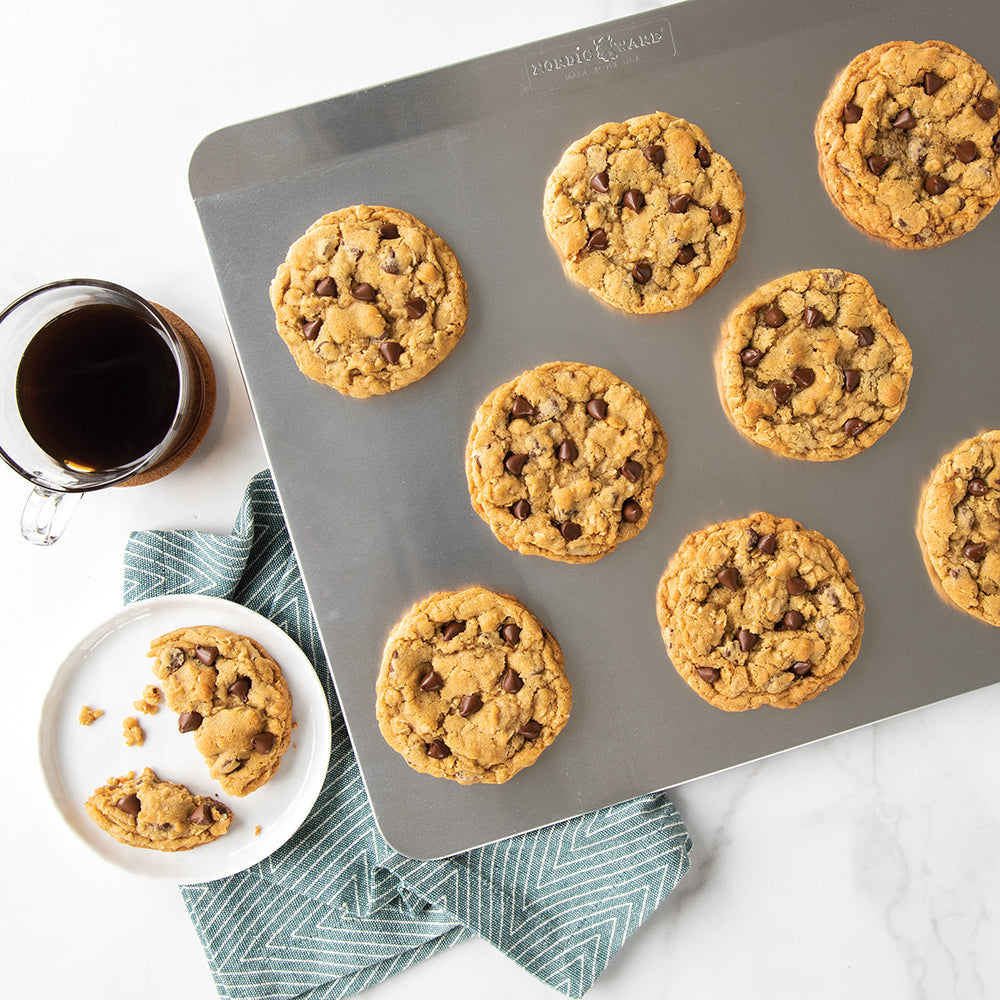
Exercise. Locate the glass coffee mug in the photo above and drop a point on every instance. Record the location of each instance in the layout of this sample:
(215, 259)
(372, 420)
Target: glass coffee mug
(97, 389)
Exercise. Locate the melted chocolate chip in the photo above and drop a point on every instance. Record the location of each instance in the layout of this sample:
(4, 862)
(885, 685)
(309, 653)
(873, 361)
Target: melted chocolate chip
(774, 317)
(781, 391)
(631, 511)
(813, 317)
(326, 287)
(415, 308)
(431, 682)
(530, 730)
(852, 379)
(514, 464)
(207, 654)
(570, 530)
(966, 151)
(877, 164)
(188, 722)
(932, 82)
(685, 255)
(129, 805)
(510, 681)
(904, 120)
(796, 585)
(240, 688)
(854, 426)
(801, 667)
(986, 108)
(750, 356)
(729, 577)
(803, 377)
(451, 629)
(597, 408)
(746, 639)
(511, 634)
(655, 155)
(363, 292)
(201, 816)
(567, 452)
(852, 113)
(176, 660)
(678, 203)
(437, 749)
(310, 330)
(469, 704)
(793, 619)
(865, 335)
(599, 182)
(632, 471)
(767, 544)
(391, 351)
(977, 487)
(708, 674)
(634, 199)
(521, 509)
(719, 215)
(598, 240)
(935, 185)
(263, 742)
(641, 273)
(702, 155)
(388, 231)
(520, 407)
(976, 551)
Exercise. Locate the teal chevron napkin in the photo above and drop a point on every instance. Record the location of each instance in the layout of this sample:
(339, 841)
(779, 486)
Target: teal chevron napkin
(336, 909)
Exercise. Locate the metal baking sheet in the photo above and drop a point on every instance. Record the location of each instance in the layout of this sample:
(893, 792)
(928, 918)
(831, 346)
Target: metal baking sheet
(374, 490)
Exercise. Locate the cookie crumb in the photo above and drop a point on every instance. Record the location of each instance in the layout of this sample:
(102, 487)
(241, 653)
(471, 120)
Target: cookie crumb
(89, 715)
(132, 731)
(149, 703)
(256, 831)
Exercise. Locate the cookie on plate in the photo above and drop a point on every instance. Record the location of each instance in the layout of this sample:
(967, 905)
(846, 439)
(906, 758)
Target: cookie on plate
(563, 462)
(813, 366)
(472, 687)
(909, 143)
(231, 694)
(759, 611)
(369, 300)
(147, 811)
(959, 526)
(645, 214)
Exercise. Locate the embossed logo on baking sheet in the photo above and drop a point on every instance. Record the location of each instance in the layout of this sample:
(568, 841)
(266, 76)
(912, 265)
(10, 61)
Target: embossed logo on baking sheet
(560, 65)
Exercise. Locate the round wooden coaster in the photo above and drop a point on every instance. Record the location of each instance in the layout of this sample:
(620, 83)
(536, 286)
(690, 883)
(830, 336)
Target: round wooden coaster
(205, 389)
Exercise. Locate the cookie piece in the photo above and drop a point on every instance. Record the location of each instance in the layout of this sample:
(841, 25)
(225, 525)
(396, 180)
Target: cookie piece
(909, 143)
(472, 687)
(156, 814)
(644, 213)
(959, 526)
(227, 691)
(812, 366)
(369, 300)
(759, 611)
(563, 462)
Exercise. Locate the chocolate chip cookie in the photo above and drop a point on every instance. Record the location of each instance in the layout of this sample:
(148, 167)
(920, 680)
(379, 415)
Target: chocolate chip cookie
(369, 300)
(909, 143)
(759, 611)
(472, 687)
(563, 462)
(645, 214)
(156, 814)
(959, 526)
(227, 691)
(812, 366)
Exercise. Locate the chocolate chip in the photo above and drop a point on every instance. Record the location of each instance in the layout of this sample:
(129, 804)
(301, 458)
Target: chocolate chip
(719, 215)
(852, 113)
(996, 144)
(129, 805)
(642, 272)
(598, 240)
(391, 351)
(570, 530)
(597, 408)
(530, 730)
(904, 120)
(431, 682)
(363, 292)
(634, 199)
(854, 426)
(631, 511)
(813, 317)
(263, 742)
(510, 681)
(415, 308)
(932, 82)
(567, 452)
(750, 356)
(774, 317)
(177, 658)
(966, 151)
(207, 654)
(708, 674)
(746, 639)
(632, 471)
(976, 551)
(767, 543)
(935, 185)
(451, 629)
(978, 487)
(793, 619)
(388, 231)
(655, 155)
(877, 164)
(599, 182)
(796, 585)
(852, 379)
(520, 407)
(326, 286)
(469, 704)
(310, 330)
(240, 688)
(986, 108)
(201, 816)
(702, 155)
(781, 391)
(390, 265)
(729, 577)
(521, 509)
(801, 667)
(865, 335)
(188, 722)
(437, 749)
(514, 464)
(511, 634)
(803, 377)
(678, 203)
(685, 255)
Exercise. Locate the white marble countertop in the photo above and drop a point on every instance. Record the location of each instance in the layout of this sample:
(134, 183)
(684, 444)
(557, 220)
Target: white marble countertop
(865, 865)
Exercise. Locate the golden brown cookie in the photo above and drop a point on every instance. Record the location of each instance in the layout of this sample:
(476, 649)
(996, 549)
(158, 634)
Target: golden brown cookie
(909, 143)
(369, 300)
(759, 611)
(563, 462)
(644, 213)
(959, 526)
(812, 366)
(156, 814)
(472, 687)
(232, 696)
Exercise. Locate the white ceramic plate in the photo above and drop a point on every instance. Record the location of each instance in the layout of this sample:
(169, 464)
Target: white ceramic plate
(108, 669)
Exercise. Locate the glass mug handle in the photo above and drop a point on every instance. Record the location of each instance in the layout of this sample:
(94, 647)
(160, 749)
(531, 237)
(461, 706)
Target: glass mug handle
(46, 513)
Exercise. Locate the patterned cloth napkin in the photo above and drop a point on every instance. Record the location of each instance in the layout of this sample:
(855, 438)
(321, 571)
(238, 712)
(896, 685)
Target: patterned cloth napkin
(336, 909)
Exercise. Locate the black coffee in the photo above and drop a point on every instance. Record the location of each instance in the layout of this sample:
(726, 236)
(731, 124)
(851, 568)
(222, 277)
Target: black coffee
(97, 388)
